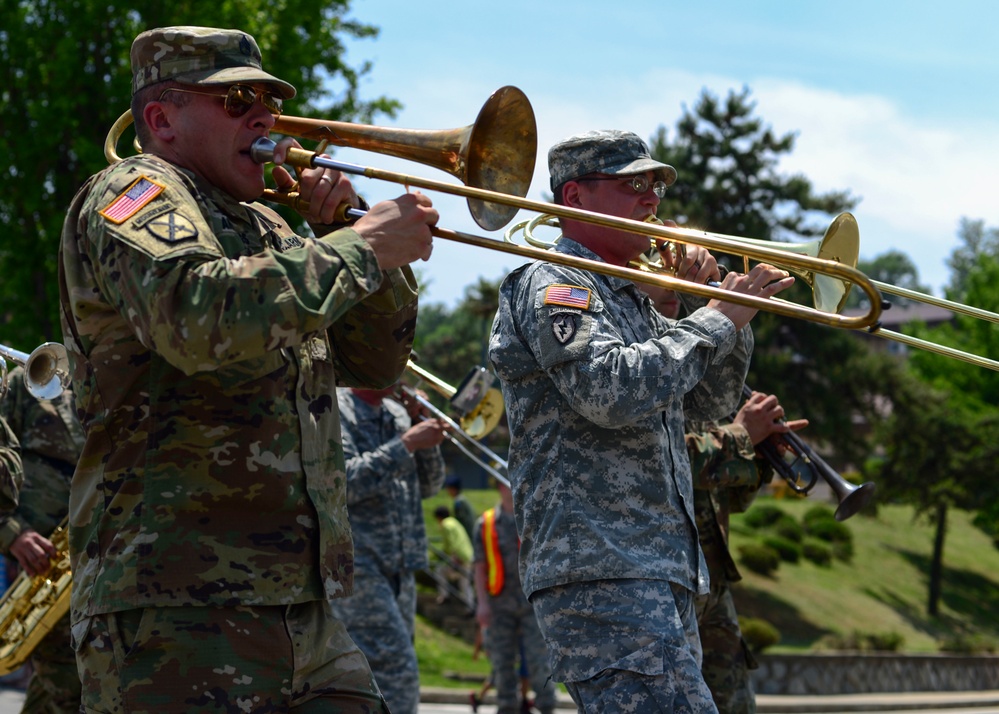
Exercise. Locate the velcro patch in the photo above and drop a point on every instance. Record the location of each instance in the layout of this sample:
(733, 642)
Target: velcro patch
(568, 295)
(138, 194)
(172, 228)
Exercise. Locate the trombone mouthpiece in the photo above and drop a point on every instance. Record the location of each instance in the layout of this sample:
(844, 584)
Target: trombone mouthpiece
(262, 150)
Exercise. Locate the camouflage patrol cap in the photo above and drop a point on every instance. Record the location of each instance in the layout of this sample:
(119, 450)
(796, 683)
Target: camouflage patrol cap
(607, 151)
(199, 55)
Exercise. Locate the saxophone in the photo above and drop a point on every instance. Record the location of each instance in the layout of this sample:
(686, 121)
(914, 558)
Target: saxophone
(33, 605)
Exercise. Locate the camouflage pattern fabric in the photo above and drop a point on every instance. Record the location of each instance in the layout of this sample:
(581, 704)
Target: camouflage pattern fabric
(206, 340)
(51, 439)
(385, 486)
(596, 395)
(727, 477)
(595, 398)
(198, 55)
(242, 661)
(513, 625)
(625, 645)
(606, 151)
(11, 472)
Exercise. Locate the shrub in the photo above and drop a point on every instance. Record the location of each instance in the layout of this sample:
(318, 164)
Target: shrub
(763, 516)
(817, 552)
(968, 644)
(829, 530)
(787, 527)
(760, 559)
(758, 634)
(816, 514)
(788, 550)
(865, 642)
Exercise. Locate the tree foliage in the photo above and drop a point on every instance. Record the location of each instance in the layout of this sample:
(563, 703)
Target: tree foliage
(728, 174)
(729, 181)
(65, 65)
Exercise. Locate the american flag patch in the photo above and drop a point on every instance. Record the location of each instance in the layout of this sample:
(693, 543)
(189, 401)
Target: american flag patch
(141, 192)
(568, 295)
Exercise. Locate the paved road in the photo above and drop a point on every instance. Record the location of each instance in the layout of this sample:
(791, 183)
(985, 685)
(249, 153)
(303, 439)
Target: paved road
(11, 701)
(925, 703)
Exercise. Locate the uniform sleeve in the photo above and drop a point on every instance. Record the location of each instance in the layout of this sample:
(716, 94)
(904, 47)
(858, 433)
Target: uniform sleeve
(370, 473)
(165, 271)
(722, 456)
(11, 473)
(431, 470)
(608, 378)
(374, 339)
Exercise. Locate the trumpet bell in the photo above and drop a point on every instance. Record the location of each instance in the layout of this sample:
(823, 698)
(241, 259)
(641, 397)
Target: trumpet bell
(46, 369)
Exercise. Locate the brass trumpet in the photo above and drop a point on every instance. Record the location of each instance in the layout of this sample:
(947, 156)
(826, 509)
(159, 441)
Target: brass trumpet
(46, 369)
(850, 498)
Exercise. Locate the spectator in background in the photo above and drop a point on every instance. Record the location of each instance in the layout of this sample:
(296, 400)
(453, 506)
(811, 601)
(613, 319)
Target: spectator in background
(457, 547)
(463, 510)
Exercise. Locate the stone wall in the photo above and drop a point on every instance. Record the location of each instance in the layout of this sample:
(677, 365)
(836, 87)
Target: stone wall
(863, 673)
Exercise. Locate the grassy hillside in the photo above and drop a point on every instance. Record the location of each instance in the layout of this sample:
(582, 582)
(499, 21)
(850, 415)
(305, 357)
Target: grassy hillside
(884, 588)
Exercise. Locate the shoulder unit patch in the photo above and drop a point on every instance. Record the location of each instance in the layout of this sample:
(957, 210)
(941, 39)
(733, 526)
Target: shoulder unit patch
(138, 194)
(568, 295)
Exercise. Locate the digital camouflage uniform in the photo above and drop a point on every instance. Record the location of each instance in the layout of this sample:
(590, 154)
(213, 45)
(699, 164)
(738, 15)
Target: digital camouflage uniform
(727, 477)
(385, 487)
(513, 627)
(51, 438)
(11, 473)
(206, 340)
(596, 391)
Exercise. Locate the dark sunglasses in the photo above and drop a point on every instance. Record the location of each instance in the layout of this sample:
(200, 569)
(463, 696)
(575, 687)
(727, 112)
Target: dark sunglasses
(239, 99)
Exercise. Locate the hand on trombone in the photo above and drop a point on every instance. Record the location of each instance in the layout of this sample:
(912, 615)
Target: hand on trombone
(426, 431)
(398, 230)
(763, 417)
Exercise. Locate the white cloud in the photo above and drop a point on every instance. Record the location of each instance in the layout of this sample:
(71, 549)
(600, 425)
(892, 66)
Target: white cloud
(916, 177)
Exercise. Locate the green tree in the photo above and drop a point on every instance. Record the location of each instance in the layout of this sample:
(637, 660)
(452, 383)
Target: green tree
(66, 78)
(894, 268)
(728, 178)
(729, 181)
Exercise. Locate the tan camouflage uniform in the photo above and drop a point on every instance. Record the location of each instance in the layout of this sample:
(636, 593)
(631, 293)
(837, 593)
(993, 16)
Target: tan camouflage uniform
(11, 473)
(207, 340)
(727, 477)
(51, 438)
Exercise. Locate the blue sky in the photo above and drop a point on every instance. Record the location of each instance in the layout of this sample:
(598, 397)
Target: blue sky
(896, 102)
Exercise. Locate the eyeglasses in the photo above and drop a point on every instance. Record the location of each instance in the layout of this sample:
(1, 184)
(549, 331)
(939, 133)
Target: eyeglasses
(239, 99)
(639, 183)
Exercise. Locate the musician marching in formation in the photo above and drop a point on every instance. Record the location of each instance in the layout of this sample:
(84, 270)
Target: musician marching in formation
(597, 386)
(393, 458)
(51, 438)
(208, 513)
(727, 473)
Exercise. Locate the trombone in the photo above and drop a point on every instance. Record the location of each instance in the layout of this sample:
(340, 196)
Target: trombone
(495, 158)
(481, 408)
(46, 369)
(841, 243)
(504, 141)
